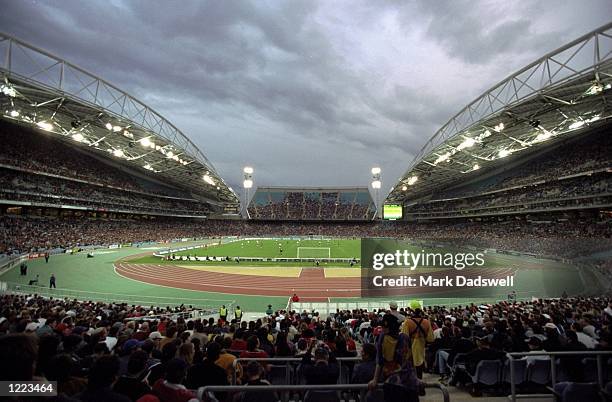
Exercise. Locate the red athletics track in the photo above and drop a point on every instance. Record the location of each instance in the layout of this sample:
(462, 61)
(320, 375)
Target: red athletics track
(311, 285)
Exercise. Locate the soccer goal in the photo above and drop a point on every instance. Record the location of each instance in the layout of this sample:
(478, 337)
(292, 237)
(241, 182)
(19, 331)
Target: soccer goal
(313, 252)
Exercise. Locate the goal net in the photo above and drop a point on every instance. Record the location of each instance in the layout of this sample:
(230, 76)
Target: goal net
(313, 252)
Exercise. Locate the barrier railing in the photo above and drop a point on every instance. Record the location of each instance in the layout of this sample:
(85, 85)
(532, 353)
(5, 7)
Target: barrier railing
(211, 305)
(553, 369)
(325, 308)
(361, 388)
(6, 263)
(290, 361)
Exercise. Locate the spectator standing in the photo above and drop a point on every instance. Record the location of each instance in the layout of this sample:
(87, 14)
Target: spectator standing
(420, 333)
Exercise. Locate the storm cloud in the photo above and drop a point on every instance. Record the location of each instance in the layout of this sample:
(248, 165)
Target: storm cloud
(308, 93)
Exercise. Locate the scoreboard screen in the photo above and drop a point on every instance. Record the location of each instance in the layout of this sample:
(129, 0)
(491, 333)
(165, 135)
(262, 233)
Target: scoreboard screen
(392, 211)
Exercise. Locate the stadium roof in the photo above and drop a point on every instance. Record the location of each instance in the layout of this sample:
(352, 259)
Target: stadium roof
(46, 92)
(562, 94)
(307, 189)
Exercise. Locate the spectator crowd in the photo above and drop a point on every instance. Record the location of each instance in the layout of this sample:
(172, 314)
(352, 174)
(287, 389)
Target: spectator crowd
(118, 352)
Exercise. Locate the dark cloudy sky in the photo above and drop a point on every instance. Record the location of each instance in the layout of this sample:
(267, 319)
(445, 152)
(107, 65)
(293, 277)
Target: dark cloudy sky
(307, 92)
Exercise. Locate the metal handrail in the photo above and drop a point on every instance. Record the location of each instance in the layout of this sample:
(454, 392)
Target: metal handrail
(362, 388)
(84, 295)
(553, 369)
(288, 360)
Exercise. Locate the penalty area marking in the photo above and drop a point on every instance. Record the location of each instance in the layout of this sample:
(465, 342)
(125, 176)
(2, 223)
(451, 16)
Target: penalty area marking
(314, 248)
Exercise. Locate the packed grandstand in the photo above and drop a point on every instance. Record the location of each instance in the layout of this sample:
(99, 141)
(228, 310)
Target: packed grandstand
(61, 193)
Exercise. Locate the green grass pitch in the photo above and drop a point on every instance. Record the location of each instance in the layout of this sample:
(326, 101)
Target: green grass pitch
(265, 248)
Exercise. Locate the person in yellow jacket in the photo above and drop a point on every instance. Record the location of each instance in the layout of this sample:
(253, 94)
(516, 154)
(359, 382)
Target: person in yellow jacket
(238, 314)
(420, 332)
(223, 313)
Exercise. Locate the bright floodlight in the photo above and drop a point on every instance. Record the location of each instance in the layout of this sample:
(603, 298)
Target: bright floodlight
(404, 188)
(499, 127)
(116, 129)
(503, 153)
(108, 126)
(467, 143)
(248, 170)
(247, 183)
(476, 166)
(45, 125)
(543, 136)
(145, 142)
(8, 90)
(376, 170)
(14, 113)
(208, 180)
(376, 184)
(118, 153)
(412, 180)
(576, 124)
(442, 158)
(78, 137)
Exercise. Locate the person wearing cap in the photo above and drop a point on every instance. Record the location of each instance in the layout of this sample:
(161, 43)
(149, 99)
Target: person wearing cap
(553, 338)
(393, 310)
(129, 347)
(156, 337)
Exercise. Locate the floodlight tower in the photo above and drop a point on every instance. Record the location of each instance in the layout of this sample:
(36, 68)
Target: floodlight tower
(376, 184)
(247, 184)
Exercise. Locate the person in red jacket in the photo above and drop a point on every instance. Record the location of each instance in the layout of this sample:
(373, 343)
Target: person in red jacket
(171, 389)
(295, 298)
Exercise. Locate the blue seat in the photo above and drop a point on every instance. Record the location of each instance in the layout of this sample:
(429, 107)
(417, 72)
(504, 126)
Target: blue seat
(577, 392)
(488, 372)
(520, 372)
(538, 372)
